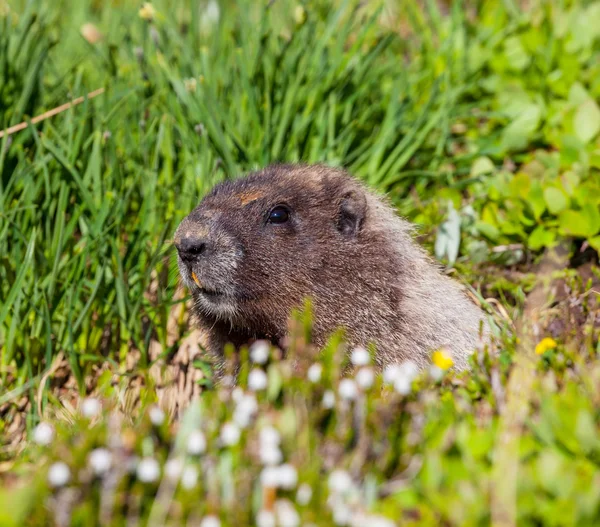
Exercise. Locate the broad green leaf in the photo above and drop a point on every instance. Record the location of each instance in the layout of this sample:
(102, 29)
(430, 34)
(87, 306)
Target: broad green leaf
(592, 215)
(536, 200)
(556, 200)
(520, 130)
(541, 237)
(573, 223)
(489, 231)
(481, 166)
(587, 120)
(595, 243)
(578, 94)
(570, 181)
(520, 185)
(516, 54)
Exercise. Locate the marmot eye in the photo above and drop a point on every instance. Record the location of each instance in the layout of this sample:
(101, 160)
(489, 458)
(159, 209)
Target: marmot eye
(279, 214)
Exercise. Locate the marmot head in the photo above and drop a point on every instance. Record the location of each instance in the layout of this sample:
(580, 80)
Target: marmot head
(258, 246)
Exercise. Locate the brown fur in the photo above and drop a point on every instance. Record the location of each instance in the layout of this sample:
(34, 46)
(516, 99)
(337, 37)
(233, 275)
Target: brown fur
(343, 247)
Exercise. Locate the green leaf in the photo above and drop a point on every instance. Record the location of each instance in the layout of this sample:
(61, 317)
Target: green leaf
(489, 231)
(541, 237)
(518, 132)
(275, 382)
(536, 200)
(587, 120)
(516, 54)
(574, 223)
(578, 94)
(570, 181)
(595, 243)
(482, 165)
(520, 185)
(592, 215)
(556, 200)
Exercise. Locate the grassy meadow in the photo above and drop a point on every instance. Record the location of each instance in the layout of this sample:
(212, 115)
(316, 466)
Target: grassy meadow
(481, 122)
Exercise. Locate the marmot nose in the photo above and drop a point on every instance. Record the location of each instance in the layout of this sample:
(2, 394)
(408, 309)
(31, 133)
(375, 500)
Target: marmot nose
(190, 248)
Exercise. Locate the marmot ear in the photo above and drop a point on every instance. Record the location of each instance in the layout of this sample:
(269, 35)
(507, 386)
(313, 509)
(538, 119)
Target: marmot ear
(351, 213)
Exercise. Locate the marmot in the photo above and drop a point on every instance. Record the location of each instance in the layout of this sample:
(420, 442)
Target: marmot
(258, 246)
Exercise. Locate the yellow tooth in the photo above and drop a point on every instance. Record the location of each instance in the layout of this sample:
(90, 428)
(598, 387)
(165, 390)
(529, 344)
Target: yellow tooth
(195, 278)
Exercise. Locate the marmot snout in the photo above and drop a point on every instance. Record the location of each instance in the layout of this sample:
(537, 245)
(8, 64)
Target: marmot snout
(257, 247)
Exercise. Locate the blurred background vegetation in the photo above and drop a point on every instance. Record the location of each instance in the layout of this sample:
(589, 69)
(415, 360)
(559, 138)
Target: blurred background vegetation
(480, 120)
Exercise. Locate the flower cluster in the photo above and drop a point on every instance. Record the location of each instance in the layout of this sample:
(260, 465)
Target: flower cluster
(238, 422)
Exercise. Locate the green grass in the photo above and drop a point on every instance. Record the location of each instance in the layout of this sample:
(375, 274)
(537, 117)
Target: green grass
(482, 115)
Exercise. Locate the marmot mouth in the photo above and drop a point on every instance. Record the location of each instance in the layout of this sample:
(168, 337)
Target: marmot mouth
(210, 292)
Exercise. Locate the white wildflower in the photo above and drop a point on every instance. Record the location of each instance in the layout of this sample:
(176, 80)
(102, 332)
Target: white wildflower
(339, 481)
(403, 385)
(230, 434)
(371, 520)
(314, 373)
(259, 352)
(58, 474)
(270, 455)
(265, 518)
(401, 376)
(100, 459)
(245, 410)
(196, 443)
(287, 516)
(342, 514)
(157, 416)
(189, 477)
(43, 434)
(328, 399)
(410, 369)
(391, 372)
(173, 469)
(90, 407)
(269, 436)
(257, 380)
(237, 394)
(365, 377)
(304, 494)
(212, 13)
(436, 373)
(269, 477)
(360, 357)
(348, 389)
(210, 521)
(148, 470)
(288, 476)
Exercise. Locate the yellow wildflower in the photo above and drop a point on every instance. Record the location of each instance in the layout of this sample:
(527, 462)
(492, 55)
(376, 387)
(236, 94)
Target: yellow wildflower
(442, 359)
(147, 11)
(544, 345)
(299, 15)
(4, 8)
